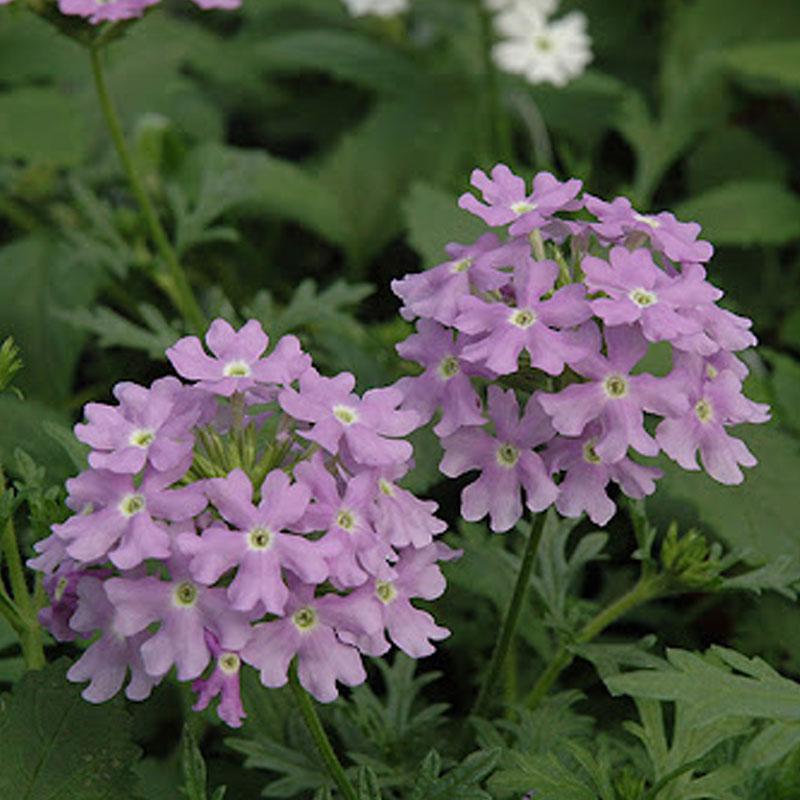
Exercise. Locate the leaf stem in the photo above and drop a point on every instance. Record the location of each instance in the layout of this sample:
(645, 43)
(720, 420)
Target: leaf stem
(647, 588)
(175, 282)
(505, 639)
(306, 707)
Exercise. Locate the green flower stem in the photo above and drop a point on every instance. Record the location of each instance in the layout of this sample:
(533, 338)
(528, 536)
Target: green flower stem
(647, 588)
(306, 706)
(21, 613)
(506, 637)
(175, 282)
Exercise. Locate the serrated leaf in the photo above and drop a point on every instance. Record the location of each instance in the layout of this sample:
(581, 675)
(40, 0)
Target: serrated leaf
(367, 786)
(459, 783)
(544, 774)
(434, 219)
(55, 744)
(757, 518)
(721, 685)
(745, 213)
(114, 330)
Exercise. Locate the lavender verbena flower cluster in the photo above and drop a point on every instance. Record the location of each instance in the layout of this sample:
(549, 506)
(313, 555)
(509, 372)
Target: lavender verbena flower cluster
(97, 11)
(251, 516)
(563, 308)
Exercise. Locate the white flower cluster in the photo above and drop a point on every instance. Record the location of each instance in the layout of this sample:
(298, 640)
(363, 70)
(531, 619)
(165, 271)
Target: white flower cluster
(538, 48)
(380, 8)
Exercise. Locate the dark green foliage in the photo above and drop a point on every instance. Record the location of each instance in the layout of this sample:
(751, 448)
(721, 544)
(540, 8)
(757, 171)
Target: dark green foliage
(56, 744)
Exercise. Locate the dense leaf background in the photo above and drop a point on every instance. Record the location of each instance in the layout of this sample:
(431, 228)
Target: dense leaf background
(301, 160)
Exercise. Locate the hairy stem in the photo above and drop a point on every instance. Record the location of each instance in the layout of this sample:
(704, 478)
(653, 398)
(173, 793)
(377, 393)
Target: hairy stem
(306, 707)
(647, 588)
(509, 626)
(174, 282)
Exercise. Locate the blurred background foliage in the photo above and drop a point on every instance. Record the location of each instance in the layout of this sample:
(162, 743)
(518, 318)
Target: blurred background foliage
(301, 160)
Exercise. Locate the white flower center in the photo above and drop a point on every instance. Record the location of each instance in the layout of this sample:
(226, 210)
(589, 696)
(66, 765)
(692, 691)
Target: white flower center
(386, 487)
(61, 587)
(346, 520)
(507, 455)
(132, 504)
(589, 454)
(653, 223)
(185, 595)
(237, 369)
(260, 539)
(522, 207)
(345, 414)
(229, 663)
(704, 410)
(643, 297)
(615, 387)
(143, 437)
(522, 317)
(305, 619)
(385, 591)
(448, 368)
(711, 371)
(462, 265)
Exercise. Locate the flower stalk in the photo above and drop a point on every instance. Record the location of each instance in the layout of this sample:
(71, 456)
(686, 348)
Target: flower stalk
(323, 743)
(647, 588)
(509, 626)
(175, 282)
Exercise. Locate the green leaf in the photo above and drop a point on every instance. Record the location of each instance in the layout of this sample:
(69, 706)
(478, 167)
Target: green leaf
(114, 330)
(259, 180)
(55, 744)
(367, 786)
(434, 219)
(10, 362)
(721, 685)
(785, 385)
(459, 783)
(732, 153)
(745, 213)
(27, 131)
(555, 571)
(193, 766)
(37, 281)
(776, 62)
(546, 775)
(758, 518)
(345, 55)
(24, 426)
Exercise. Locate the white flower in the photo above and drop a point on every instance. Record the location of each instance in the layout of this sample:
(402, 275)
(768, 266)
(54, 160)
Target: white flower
(543, 7)
(540, 50)
(380, 8)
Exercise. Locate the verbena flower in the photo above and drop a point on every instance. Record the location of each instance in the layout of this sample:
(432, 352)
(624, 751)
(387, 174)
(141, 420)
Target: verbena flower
(236, 521)
(97, 11)
(560, 312)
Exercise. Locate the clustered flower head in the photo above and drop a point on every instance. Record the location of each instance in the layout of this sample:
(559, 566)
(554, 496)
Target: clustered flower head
(531, 343)
(538, 48)
(378, 8)
(97, 11)
(249, 514)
